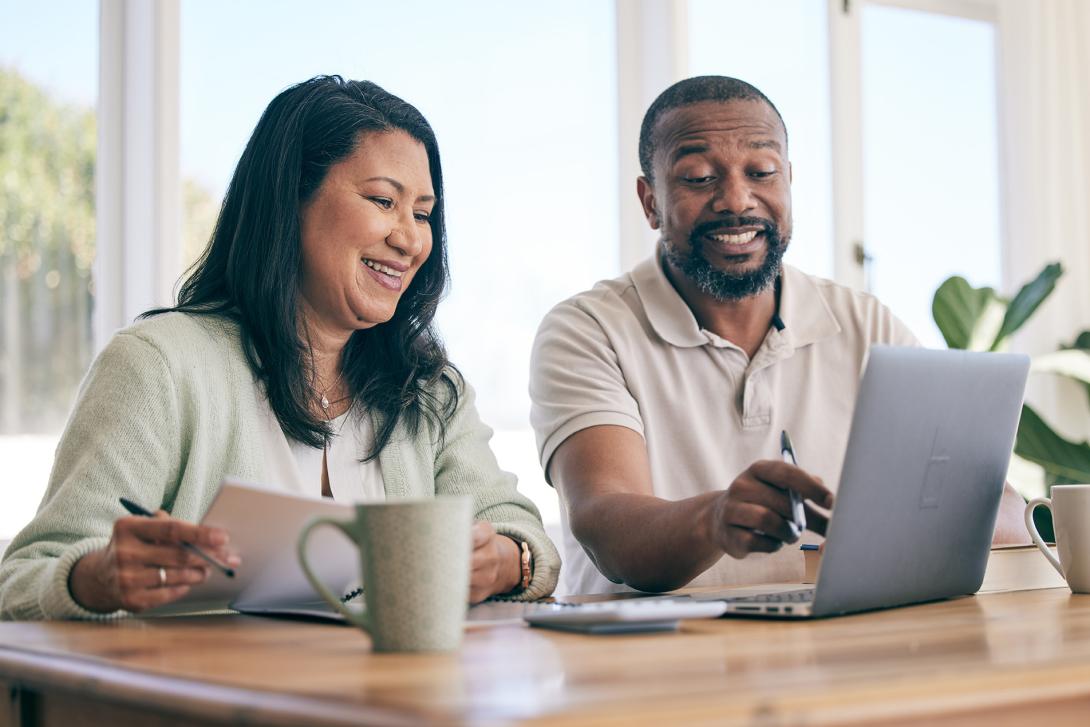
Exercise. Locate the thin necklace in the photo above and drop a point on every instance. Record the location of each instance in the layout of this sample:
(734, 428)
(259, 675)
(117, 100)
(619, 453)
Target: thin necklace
(325, 402)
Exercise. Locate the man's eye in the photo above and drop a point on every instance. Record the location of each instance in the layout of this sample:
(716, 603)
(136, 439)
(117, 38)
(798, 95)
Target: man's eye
(762, 173)
(697, 180)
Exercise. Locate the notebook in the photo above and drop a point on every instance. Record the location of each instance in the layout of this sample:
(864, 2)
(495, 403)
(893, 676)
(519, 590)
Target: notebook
(263, 525)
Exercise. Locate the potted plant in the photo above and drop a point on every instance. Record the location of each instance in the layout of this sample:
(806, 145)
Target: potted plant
(979, 319)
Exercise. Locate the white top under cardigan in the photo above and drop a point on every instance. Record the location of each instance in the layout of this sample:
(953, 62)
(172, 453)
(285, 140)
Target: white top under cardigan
(297, 468)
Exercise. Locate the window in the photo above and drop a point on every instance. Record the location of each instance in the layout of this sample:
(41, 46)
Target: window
(523, 100)
(930, 158)
(791, 67)
(48, 85)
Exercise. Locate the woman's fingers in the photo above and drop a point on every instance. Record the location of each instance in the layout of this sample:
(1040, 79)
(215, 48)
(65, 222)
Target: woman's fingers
(142, 578)
(170, 530)
(138, 553)
(149, 563)
(148, 598)
(484, 561)
(172, 577)
(133, 534)
(482, 533)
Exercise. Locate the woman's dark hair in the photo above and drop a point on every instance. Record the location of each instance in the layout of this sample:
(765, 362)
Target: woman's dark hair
(250, 270)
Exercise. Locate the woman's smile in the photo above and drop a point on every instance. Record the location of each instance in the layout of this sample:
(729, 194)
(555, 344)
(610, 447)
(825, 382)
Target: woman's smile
(387, 275)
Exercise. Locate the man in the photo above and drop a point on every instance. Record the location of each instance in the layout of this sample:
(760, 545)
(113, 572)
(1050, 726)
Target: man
(659, 397)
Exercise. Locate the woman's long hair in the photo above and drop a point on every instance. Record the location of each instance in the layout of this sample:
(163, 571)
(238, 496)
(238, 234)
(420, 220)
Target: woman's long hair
(251, 269)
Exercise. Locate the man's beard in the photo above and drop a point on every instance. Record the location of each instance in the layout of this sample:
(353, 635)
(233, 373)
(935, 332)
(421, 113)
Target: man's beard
(721, 285)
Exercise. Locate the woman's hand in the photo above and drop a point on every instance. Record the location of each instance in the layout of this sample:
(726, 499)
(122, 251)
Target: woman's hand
(496, 565)
(144, 565)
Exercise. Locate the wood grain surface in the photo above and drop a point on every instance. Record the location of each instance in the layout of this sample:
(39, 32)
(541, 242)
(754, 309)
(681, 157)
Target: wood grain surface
(1007, 658)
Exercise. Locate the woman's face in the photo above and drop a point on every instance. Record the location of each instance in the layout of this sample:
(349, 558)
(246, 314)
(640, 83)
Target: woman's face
(366, 232)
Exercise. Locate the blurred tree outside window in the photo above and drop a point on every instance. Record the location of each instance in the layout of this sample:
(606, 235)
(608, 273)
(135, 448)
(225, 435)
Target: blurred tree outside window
(47, 245)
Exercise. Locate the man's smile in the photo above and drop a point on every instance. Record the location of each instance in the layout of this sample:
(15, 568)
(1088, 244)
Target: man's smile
(738, 239)
(732, 241)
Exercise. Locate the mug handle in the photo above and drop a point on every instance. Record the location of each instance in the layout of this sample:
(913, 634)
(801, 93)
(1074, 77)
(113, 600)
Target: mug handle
(359, 618)
(1030, 507)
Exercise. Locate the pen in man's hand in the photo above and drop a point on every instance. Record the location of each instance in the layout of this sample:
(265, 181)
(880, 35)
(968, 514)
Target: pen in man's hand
(788, 454)
(135, 509)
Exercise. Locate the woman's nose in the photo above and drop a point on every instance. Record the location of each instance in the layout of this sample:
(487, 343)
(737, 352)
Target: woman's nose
(408, 240)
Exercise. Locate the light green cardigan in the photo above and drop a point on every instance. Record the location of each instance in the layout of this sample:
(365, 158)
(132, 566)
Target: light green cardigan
(169, 409)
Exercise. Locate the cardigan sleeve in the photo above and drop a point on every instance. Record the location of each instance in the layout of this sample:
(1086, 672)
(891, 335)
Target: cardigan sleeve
(121, 440)
(465, 464)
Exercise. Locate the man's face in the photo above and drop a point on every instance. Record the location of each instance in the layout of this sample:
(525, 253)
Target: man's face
(721, 195)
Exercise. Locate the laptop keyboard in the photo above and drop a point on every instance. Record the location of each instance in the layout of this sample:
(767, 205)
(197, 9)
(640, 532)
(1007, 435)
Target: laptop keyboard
(804, 596)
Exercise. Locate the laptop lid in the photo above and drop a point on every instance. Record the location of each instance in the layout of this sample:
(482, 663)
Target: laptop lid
(923, 475)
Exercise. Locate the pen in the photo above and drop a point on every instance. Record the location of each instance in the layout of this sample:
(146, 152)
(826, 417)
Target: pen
(788, 454)
(135, 509)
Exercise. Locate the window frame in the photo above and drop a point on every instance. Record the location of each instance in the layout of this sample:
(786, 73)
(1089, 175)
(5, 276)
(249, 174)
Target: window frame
(138, 261)
(846, 90)
(137, 182)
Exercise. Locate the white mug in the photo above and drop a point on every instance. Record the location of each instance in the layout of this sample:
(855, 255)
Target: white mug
(1070, 508)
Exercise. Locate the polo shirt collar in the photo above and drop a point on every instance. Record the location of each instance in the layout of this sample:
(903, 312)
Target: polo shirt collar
(804, 311)
(666, 310)
(806, 314)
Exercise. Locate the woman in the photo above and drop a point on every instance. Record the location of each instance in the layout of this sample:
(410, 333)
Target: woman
(301, 352)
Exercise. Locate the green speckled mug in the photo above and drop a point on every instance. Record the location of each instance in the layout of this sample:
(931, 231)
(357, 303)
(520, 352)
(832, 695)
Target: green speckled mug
(414, 560)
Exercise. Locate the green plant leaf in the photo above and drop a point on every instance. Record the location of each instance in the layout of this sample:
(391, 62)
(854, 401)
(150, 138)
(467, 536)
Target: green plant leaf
(958, 308)
(1073, 363)
(1082, 341)
(1042, 520)
(1060, 458)
(1027, 300)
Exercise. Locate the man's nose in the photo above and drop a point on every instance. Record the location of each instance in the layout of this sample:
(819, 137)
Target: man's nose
(733, 195)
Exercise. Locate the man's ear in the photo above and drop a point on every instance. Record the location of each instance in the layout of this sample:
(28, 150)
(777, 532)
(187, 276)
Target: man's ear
(646, 193)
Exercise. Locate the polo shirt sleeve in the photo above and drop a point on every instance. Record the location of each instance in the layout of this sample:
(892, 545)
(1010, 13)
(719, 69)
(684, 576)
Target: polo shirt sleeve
(576, 381)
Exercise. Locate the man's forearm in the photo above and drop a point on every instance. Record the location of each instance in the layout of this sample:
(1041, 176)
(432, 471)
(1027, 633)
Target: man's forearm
(646, 542)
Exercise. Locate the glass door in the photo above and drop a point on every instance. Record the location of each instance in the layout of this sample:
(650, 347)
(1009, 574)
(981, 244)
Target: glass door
(930, 156)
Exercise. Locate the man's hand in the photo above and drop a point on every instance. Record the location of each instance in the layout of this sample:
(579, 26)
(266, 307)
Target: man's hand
(754, 514)
(129, 572)
(496, 565)
(604, 479)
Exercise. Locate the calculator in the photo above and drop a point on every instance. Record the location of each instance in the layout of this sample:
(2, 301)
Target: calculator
(625, 616)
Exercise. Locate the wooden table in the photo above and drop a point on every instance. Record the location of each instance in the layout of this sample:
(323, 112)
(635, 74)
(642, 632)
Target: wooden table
(1010, 658)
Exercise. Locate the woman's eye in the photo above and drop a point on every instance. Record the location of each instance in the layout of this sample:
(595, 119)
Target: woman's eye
(383, 202)
(422, 216)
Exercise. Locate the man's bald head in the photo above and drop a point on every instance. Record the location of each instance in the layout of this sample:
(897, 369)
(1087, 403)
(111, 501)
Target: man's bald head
(691, 91)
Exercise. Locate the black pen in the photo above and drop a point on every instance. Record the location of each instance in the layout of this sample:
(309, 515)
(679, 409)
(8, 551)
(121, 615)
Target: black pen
(798, 524)
(135, 509)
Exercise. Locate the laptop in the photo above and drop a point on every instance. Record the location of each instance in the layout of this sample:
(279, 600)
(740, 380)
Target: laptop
(919, 491)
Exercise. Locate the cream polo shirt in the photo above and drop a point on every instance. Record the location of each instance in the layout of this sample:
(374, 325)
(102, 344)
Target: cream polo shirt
(629, 352)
